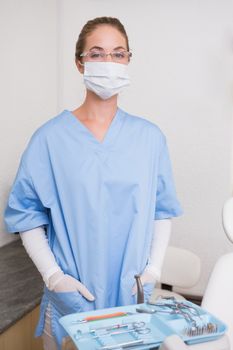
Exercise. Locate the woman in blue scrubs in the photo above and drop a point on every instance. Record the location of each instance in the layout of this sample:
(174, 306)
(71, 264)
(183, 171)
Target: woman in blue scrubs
(94, 193)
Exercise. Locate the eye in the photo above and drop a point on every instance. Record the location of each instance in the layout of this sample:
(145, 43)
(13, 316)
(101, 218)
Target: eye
(119, 55)
(94, 54)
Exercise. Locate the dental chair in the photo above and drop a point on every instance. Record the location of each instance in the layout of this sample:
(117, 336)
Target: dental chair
(218, 297)
(181, 269)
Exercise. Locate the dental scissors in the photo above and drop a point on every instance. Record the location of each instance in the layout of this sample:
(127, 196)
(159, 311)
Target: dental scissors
(138, 327)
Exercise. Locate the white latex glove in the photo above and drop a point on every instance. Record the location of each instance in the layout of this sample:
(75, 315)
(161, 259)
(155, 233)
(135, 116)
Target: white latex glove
(145, 278)
(36, 244)
(161, 236)
(60, 282)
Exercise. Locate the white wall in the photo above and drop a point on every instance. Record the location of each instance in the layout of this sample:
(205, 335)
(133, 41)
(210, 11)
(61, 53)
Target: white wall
(181, 79)
(28, 66)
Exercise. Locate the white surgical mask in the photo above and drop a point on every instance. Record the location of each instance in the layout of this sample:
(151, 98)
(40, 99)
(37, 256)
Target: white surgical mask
(105, 79)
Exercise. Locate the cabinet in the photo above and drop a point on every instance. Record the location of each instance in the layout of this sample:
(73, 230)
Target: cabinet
(21, 335)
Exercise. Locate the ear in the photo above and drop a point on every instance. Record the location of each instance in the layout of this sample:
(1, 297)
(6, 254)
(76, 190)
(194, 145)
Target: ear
(80, 66)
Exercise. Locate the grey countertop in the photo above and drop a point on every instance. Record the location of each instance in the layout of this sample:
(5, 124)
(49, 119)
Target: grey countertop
(21, 285)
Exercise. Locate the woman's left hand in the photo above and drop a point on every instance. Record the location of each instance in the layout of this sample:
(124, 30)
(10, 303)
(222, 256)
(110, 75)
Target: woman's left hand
(146, 277)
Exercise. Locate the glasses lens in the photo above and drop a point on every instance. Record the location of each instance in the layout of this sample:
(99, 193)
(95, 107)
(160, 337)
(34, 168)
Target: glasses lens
(120, 55)
(96, 55)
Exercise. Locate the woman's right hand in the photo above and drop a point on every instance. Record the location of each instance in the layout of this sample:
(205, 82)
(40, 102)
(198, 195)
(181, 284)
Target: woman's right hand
(60, 282)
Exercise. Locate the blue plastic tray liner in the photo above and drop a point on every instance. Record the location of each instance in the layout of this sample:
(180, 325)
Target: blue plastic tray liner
(151, 332)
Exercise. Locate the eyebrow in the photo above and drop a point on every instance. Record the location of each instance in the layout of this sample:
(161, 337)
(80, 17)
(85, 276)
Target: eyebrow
(101, 49)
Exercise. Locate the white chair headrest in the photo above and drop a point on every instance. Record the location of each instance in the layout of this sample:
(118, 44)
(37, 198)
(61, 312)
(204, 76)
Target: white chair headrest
(181, 268)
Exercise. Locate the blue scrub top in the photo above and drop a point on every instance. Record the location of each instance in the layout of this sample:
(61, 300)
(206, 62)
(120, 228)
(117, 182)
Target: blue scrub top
(97, 201)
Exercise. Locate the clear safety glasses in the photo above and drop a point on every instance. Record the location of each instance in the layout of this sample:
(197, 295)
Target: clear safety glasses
(99, 56)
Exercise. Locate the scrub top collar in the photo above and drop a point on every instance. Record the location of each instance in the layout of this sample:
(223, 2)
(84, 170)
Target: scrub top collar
(110, 135)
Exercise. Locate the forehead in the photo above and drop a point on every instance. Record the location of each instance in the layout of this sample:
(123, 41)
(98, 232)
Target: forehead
(107, 37)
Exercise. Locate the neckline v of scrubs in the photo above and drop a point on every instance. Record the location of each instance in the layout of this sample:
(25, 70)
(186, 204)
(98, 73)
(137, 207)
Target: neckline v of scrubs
(110, 134)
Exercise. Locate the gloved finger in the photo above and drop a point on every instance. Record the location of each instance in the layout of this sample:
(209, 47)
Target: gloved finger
(147, 277)
(85, 292)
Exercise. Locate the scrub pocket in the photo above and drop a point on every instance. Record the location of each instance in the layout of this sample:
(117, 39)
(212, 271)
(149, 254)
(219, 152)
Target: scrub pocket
(69, 302)
(148, 289)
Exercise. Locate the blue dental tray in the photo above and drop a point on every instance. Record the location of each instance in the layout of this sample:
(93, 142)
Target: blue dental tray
(104, 335)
